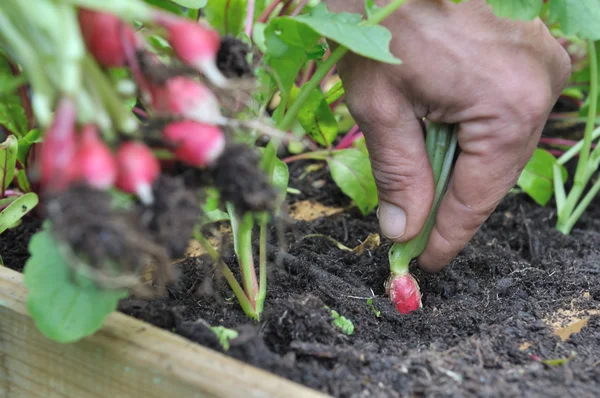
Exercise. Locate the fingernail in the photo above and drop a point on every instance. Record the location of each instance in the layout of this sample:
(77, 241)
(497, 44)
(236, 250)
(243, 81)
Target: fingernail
(392, 220)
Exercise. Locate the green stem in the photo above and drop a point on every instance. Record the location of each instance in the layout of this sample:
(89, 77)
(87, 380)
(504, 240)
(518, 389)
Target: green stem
(227, 274)
(316, 155)
(583, 172)
(585, 202)
(242, 245)
(559, 188)
(401, 253)
(575, 149)
(20, 50)
(262, 269)
(123, 118)
(329, 63)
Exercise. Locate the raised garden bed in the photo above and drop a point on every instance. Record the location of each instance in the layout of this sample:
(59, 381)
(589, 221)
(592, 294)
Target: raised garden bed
(515, 314)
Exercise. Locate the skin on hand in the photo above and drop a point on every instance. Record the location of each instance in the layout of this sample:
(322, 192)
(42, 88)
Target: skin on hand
(497, 78)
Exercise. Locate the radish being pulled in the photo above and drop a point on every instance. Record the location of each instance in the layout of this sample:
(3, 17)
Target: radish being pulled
(103, 36)
(197, 144)
(93, 163)
(186, 97)
(402, 287)
(138, 168)
(195, 44)
(58, 148)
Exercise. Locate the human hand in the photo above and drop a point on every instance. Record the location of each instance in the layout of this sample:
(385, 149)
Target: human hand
(498, 79)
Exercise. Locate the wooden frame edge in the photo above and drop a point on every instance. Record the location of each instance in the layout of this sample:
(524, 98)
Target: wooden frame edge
(127, 358)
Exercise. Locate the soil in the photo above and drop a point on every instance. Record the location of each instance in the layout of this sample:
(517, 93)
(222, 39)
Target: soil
(484, 329)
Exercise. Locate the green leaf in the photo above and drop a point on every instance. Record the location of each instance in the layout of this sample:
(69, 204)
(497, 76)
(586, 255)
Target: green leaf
(317, 119)
(277, 172)
(258, 36)
(26, 142)
(287, 43)
(227, 17)
(12, 114)
(210, 207)
(17, 210)
(195, 4)
(537, 177)
(23, 181)
(171, 6)
(371, 41)
(64, 308)
(342, 323)
(224, 335)
(577, 17)
(517, 9)
(8, 161)
(335, 93)
(351, 171)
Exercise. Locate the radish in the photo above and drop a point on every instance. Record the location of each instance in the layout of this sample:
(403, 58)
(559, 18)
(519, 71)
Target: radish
(195, 44)
(101, 32)
(138, 168)
(58, 147)
(93, 163)
(196, 144)
(183, 96)
(404, 292)
(402, 287)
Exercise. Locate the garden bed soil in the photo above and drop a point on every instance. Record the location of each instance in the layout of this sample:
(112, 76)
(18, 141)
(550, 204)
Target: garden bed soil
(489, 323)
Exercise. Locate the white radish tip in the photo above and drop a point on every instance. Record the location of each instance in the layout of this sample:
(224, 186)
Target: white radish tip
(207, 114)
(144, 192)
(216, 150)
(209, 68)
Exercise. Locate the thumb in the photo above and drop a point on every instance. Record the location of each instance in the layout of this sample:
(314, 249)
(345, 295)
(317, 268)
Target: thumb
(400, 165)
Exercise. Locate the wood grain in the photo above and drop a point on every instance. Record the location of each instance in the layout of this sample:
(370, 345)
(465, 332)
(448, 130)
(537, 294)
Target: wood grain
(125, 359)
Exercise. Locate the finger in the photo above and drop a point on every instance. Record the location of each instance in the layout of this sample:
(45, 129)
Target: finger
(395, 140)
(483, 175)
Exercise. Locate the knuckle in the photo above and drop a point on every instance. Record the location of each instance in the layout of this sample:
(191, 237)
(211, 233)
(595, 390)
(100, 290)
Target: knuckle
(401, 175)
(533, 105)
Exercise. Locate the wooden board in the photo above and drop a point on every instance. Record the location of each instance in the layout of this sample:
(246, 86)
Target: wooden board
(125, 359)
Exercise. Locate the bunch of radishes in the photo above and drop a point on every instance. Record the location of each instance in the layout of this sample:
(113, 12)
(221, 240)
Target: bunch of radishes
(78, 154)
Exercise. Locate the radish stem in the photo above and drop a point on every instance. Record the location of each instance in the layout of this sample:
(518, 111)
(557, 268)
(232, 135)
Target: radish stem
(242, 245)
(567, 214)
(441, 145)
(227, 274)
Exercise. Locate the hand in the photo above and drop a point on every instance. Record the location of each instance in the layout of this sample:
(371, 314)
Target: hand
(497, 78)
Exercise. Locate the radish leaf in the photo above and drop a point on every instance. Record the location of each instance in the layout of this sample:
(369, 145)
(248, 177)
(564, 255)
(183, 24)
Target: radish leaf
(65, 305)
(537, 177)
(351, 171)
(516, 9)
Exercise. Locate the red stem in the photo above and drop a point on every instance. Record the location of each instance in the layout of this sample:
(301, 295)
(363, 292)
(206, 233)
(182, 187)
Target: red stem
(249, 18)
(349, 138)
(264, 17)
(559, 141)
(285, 7)
(140, 112)
(557, 152)
(299, 8)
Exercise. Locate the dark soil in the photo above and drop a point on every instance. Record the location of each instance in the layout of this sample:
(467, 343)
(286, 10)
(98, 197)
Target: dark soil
(466, 341)
(482, 330)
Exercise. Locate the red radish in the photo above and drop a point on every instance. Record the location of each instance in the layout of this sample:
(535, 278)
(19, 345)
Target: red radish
(404, 292)
(101, 32)
(197, 144)
(195, 44)
(183, 96)
(58, 147)
(137, 170)
(94, 163)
